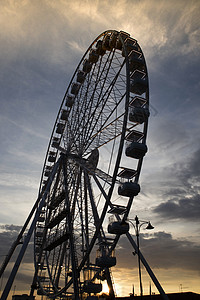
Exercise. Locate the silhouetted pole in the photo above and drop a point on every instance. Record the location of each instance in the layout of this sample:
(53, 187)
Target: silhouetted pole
(143, 260)
(146, 265)
(138, 245)
(137, 226)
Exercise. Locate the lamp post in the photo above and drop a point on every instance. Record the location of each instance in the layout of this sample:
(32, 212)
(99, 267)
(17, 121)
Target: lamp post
(138, 224)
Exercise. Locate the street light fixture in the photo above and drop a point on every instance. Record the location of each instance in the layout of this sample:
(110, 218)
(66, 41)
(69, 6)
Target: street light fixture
(138, 224)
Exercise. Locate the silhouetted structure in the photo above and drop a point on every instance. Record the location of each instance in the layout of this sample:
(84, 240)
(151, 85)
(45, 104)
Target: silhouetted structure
(23, 297)
(172, 296)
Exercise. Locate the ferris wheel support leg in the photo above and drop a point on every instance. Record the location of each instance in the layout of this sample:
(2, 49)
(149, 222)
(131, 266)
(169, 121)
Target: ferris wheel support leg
(75, 273)
(28, 237)
(146, 265)
(17, 241)
(110, 284)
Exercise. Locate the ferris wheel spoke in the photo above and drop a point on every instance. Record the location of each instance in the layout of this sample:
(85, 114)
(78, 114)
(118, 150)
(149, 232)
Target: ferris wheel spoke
(99, 95)
(89, 103)
(108, 105)
(105, 103)
(103, 125)
(71, 235)
(92, 86)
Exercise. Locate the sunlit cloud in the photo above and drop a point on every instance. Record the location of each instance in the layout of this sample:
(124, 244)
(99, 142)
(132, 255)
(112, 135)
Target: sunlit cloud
(18, 180)
(28, 21)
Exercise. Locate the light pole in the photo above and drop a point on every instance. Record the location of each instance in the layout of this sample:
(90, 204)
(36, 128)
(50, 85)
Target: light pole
(138, 224)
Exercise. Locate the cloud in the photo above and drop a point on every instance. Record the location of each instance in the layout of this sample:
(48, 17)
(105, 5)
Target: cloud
(8, 234)
(161, 251)
(36, 25)
(186, 208)
(10, 229)
(181, 189)
(18, 180)
(194, 164)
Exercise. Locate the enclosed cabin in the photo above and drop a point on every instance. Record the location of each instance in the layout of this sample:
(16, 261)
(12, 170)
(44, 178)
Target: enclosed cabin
(139, 111)
(136, 61)
(70, 101)
(55, 142)
(60, 128)
(75, 88)
(105, 258)
(41, 218)
(47, 171)
(136, 150)
(138, 82)
(113, 39)
(117, 227)
(99, 48)
(127, 187)
(135, 146)
(139, 115)
(87, 66)
(80, 77)
(39, 234)
(64, 115)
(124, 36)
(93, 56)
(106, 43)
(130, 45)
(52, 156)
(91, 284)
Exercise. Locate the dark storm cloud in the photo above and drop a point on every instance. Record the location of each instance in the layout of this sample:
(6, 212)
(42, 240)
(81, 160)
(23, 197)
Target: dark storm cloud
(183, 202)
(8, 235)
(13, 229)
(160, 250)
(22, 279)
(189, 171)
(194, 164)
(187, 208)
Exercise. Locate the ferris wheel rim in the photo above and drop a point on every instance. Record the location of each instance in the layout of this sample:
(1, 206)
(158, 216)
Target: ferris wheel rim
(123, 131)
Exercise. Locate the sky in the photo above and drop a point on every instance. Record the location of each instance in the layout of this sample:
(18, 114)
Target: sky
(41, 45)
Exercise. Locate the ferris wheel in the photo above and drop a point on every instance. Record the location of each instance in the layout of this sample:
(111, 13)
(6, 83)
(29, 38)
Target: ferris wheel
(92, 168)
(90, 175)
